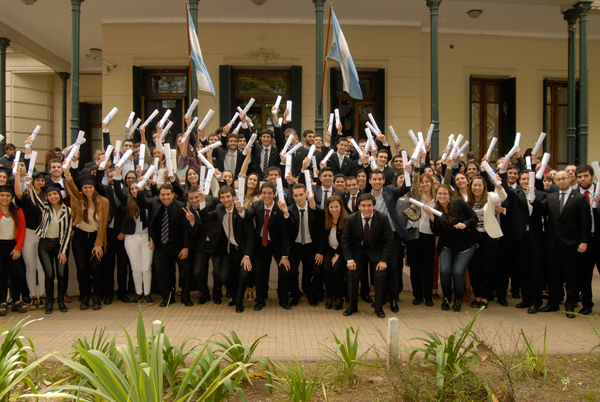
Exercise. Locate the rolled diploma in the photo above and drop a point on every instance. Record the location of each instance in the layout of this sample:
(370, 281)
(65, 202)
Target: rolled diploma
(595, 166)
(420, 204)
(289, 108)
(237, 129)
(509, 155)
(355, 145)
(420, 137)
(491, 148)
(528, 162)
(206, 119)
(532, 184)
(311, 151)
(142, 153)
(72, 154)
(109, 150)
(36, 130)
(287, 143)
(243, 123)
(370, 141)
(518, 139)
(117, 151)
(149, 119)
(336, 112)
(415, 154)
(17, 157)
(393, 134)
(204, 160)
(80, 137)
(208, 182)
(189, 129)
(465, 145)
(308, 181)
(280, 121)
(430, 133)
(250, 144)
(288, 165)
(450, 140)
(125, 156)
(331, 117)
(373, 122)
(486, 166)
(149, 173)
(406, 163)
(315, 167)
(540, 173)
(413, 137)
(538, 144)
(211, 146)
(235, 116)
(155, 170)
(326, 158)
(164, 118)
(277, 102)
(129, 120)
(110, 115)
(191, 109)
(373, 162)
(370, 126)
(166, 130)
(135, 125)
(280, 193)
(202, 179)
(168, 160)
(248, 106)
(291, 151)
(458, 141)
(32, 158)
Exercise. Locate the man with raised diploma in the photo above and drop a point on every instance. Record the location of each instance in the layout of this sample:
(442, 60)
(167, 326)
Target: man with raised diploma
(367, 243)
(230, 158)
(9, 155)
(339, 163)
(264, 154)
(352, 194)
(308, 139)
(326, 189)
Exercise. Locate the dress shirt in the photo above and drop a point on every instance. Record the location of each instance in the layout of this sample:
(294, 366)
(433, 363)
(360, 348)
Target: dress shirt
(231, 161)
(270, 209)
(329, 194)
(265, 153)
(333, 241)
(381, 207)
(307, 238)
(591, 190)
(226, 217)
(355, 201)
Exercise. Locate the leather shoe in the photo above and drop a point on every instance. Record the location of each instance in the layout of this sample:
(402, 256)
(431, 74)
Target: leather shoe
(313, 301)
(457, 305)
(295, 300)
(62, 307)
(339, 304)
(516, 295)
(285, 305)
(164, 303)
(239, 308)
(217, 301)
(523, 304)
(445, 305)
(367, 298)
(231, 303)
(429, 303)
(329, 303)
(259, 305)
(585, 311)
(394, 306)
(475, 303)
(349, 311)
(85, 303)
(124, 298)
(416, 301)
(188, 303)
(203, 300)
(49, 308)
(381, 314)
(108, 300)
(503, 301)
(548, 308)
(532, 309)
(570, 314)
(97, 304)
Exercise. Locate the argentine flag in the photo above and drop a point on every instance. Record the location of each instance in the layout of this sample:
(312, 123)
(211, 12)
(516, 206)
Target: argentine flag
(340, 52)
(202, 76)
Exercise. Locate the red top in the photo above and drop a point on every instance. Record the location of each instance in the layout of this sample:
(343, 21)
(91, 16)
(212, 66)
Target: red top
(19, 230)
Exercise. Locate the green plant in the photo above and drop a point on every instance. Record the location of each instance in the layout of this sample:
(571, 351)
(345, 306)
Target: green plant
(235, 351)
(293, 382)
(345, 352)
(101, 343)
(536, 359)
(452, 357)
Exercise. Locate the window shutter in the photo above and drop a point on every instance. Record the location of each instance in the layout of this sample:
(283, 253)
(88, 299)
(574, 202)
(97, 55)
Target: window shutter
(333, 90)
(509, 113)
(137, 75)
(380, 99)
(225, 91)
(296, 94)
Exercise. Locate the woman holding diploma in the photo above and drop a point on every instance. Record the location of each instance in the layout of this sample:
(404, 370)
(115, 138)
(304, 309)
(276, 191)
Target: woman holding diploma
(457, 242)
(484, 263)
(90, 218)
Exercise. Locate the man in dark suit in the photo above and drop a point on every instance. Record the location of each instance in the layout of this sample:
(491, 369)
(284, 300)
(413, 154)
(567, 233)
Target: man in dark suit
(352, 194)
(270, 242)
(306, 227)
(568, 232)
(326, 189)
(235, 243)
(170, 231)
(230, 158)
(339, 163)
(367, 240)
(264, 155)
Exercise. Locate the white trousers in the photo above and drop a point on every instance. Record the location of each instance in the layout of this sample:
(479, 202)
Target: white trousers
(33, 264)
(140, 258)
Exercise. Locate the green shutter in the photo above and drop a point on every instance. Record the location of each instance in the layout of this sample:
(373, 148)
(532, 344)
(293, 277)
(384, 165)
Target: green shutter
(296, 97)
(137, 74)
(225, 94)
(84, 125)
(333, 98)
(380, 99)
(509, 115)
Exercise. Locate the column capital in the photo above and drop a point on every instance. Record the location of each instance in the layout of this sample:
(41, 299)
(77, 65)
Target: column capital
(318, 3)
(433, 4)
(76, 3)
(583, 7)
(194, 4)
(64, 76)
(4, 43)
(571, 16)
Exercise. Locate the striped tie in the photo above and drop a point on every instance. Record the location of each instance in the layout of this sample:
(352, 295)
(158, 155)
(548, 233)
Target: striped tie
(265, 166)
(164, 232)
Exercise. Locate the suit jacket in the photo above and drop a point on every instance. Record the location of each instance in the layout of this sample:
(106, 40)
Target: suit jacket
(318, 192)
(315, 223)
(390, 197)
(179, 226)
(348, 167)
(347, 197)
(381, 237)
(242, 230)
(299, 157)
(572, 225)
(520, 218)
(257, 151)
(278, 225)
(324, 245)
(221, 153)
(204, 229)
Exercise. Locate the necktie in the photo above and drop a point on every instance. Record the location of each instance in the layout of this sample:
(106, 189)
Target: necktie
(117, 200)
(367, 232)
(562, 202)
(302, 236)
(587, 194)
(265, 166)
(164, 232)
(341, 161)
(325, 197)
(353, 203)
(265, 239)
(229, 216)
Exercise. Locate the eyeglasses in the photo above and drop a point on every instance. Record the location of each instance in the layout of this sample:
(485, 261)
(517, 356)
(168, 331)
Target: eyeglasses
(561, 179)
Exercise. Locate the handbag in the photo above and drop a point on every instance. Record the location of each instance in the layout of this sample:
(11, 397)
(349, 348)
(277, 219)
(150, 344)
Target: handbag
(413, 234)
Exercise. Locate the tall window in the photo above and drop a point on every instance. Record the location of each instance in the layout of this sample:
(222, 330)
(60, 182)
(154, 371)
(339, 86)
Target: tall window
(555, 121)
(486, 115)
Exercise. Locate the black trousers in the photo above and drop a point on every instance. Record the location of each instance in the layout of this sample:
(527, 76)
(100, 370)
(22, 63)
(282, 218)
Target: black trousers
(115, 249)
(165, 257)
(334, 275)
(264, 255)
(233, 274)
(89, 269)
(563, 267)
(508, 270)
(420, 254)
(363, 262)
(201, 260)
(12, 273)
(394, 270)
(48, 250)
(483, 266)
(312, 276)
(529, 258)
(585, 273)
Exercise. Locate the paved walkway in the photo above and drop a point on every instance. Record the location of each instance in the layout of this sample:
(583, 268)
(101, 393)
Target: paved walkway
(301, 330)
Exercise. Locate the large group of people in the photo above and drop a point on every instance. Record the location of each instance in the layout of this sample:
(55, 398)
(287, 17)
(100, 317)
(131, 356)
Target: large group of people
(337, 211)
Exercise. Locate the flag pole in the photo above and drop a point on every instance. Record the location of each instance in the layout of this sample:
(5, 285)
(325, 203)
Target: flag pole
(326, 51)
(193, 95)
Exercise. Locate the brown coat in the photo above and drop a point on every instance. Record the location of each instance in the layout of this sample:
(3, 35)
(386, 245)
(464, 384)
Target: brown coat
(77, 198)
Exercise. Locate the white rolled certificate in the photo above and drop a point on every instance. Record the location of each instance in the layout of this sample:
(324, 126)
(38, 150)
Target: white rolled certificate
(129, 121)
(206, 119)
(280, 193)
(168, 159)
(202, 179)
(166, 131)
(125, 156)
(336, 112)
(203, 159)
(314, 165)
(211, 146)
(208, 182)
(189, 129)
(162, 121)
(155, 170)
(110, 115)
(596, 168)
(17, 158)
(420, 137)
(326, 158)
(371, 128)
(191, 109)
(135, 125)
(532, 182)
(249, 105)
(149, 119)
(420, 204)
(406, 163)
(464, 146)
(280, 121)
(117, 151)
(491, 148)
(373, 162)
(458, 141)
(32, 159)
(142, 154)
(540, 173)
(80, 138)
(355, 145)
(107, 154)
(72, 154)
(311, 151)
(373, 122)
(149, 173)
(330, 124)
(417, 151)
(250, 144)
(289, 109)
(277, 102)
(528, 162)
(296, 147)
(430, 133)
(450, 141)
(288, 165)
(393, 133)
(308, 181)
(509, 155)
(237, 129)
(234, 118)
(538, 144)
(287, 144)
(486, 166)
(34, 134)
(413, 137)
(518, 139)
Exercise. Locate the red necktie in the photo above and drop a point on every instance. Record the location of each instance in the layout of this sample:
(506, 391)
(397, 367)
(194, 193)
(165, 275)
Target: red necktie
(353, 203)
(265, 240)
(587, 195)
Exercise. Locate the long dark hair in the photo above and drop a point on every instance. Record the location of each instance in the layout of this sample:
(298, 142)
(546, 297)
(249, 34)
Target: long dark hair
(329, 218)
(188, 185)
(447, 217)
(133, 211)
(484, 195)
(13, 209)
(96, 204)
